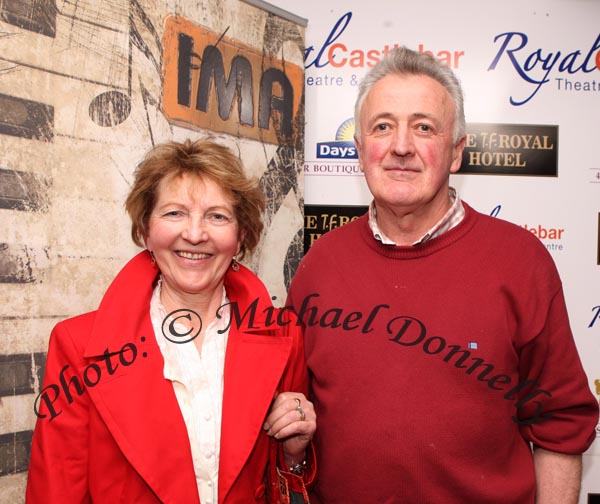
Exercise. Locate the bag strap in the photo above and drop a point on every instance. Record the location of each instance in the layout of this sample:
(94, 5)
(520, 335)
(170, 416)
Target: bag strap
(277, 484)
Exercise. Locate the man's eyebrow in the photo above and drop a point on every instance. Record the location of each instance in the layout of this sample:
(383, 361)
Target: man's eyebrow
(381, 115)
(423, 115)
(412, 117)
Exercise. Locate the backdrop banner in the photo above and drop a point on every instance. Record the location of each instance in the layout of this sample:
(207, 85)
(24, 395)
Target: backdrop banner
(531, 76)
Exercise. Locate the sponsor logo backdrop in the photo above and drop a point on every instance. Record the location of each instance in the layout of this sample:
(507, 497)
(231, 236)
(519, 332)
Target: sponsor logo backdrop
(531, 75)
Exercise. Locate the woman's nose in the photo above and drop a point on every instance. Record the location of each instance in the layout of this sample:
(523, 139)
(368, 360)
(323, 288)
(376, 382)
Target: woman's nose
(196, 229)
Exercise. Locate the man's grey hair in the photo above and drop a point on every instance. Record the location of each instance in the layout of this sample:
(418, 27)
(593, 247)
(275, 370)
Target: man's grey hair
(403, 61)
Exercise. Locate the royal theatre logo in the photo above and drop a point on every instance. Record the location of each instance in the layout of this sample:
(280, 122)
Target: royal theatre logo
(572, 69)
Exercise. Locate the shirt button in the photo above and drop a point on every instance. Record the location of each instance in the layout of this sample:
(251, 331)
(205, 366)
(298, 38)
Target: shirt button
(207, 416)
(208, 454)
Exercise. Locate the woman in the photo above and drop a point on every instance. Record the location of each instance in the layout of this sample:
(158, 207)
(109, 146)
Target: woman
(177, 389)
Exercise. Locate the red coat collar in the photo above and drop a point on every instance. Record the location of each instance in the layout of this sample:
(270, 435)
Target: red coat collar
(140, 408)
(126, 303)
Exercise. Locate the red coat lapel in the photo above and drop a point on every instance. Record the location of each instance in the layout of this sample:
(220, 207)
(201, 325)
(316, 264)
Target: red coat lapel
(137, 403)
(254, 363)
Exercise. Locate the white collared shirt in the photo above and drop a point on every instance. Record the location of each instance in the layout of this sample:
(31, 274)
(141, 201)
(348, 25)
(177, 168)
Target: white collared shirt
(198, 384)
(451, 218)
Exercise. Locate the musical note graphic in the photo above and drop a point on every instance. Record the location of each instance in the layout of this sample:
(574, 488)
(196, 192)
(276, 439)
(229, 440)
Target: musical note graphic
(111, 108)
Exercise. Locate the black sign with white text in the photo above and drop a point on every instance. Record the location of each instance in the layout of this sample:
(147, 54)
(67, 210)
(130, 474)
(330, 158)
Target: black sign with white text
(511, 149)
(319, 219)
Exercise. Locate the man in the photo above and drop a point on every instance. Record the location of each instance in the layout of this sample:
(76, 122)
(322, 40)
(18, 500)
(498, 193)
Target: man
(442, 364)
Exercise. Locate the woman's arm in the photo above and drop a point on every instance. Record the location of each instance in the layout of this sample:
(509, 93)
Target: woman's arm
(58, 468)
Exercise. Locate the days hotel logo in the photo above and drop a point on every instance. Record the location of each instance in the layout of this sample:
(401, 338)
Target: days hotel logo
(343, 147)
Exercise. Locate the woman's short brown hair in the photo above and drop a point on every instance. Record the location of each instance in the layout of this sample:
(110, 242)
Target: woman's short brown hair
(203, 158)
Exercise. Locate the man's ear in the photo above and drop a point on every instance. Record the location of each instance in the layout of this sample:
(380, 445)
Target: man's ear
(457, 152)
(359, 152)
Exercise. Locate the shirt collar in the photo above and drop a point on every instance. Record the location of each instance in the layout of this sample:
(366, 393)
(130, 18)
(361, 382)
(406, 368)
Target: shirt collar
(450, 219)
(175, 354)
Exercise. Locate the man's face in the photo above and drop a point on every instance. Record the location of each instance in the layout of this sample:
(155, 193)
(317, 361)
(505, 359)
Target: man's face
(406, 148)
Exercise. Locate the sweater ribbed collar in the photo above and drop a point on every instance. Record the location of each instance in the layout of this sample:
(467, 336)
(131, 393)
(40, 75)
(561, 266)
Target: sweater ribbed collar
(420, 249)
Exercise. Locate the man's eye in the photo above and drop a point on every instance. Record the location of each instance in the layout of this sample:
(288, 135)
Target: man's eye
(424, 127)
(381, 128)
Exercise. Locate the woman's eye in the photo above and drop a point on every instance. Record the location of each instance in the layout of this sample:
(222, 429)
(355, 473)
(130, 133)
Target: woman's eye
(218, 218)
(172, 213)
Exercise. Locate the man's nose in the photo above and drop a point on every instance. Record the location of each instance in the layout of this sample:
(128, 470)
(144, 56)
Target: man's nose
(402, 142)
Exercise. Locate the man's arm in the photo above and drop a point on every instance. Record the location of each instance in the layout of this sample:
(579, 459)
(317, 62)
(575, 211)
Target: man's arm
(557, 476)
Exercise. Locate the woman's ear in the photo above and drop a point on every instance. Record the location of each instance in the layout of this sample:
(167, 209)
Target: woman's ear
(241, 238)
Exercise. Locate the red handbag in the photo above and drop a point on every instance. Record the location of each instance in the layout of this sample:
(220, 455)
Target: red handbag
(283, 487)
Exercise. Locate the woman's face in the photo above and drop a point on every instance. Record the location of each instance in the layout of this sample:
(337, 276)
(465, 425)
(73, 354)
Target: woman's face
(193, 235)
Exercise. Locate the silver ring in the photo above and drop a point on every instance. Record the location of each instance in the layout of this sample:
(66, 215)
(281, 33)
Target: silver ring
(299, 410)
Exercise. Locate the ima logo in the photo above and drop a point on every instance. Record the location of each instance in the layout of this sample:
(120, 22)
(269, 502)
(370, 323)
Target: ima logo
(343, 147)
(217, 83)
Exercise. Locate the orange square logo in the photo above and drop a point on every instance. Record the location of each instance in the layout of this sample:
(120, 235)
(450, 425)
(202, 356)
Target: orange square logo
(213, 82)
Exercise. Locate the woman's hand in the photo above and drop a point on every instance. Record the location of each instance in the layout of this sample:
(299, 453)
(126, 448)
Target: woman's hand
(292, 419)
